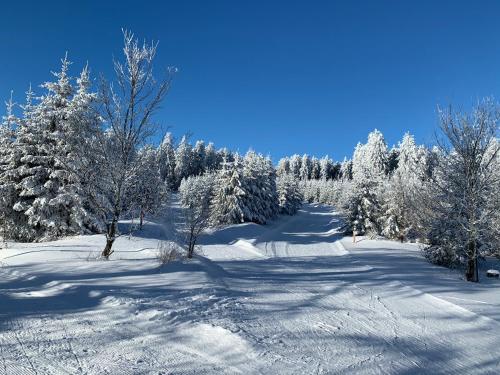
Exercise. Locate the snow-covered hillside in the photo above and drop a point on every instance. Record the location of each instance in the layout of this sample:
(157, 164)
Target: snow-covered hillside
(291, 297)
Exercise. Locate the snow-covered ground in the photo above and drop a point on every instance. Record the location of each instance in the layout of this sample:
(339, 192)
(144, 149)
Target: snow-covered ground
(292, 297)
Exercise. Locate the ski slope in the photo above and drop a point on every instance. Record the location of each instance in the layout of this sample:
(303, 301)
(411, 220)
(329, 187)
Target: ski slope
(292, 297)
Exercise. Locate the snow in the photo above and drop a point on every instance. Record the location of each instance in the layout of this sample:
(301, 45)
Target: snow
(493, 273)
(286, 298)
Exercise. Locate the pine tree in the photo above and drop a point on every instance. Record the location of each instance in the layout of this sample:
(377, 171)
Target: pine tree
(167, 161)
(325, 168)
(369, 166)
(46, 190)
(227, 204)
(7, 187)
(198, 158)
(283, 167)
(295, 165)
(75, 138)
(211, 163)
(305, 168)
(401, 190)
(290, 196)
(259, 184)
(315, 168)
(183, 161)
(346, 169)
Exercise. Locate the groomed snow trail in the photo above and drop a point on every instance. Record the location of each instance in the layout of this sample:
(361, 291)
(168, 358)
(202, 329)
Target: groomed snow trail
(291, 297)
(312, 305)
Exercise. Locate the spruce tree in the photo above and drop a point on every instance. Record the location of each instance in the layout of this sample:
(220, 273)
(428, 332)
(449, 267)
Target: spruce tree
(227, 204)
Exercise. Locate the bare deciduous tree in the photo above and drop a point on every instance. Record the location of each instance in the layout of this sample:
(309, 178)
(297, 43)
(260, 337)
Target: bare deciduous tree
(126, 124)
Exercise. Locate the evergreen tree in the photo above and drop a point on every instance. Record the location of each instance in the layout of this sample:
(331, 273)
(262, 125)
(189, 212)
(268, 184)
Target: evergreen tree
(167, 161)
(42, 164)
(401, 190)
(369, 166)
(183, 161)
(211, 163)
(315, 168)
(305, 168)
(325, 168)
(346, 169)
(198, 158)
(295, 165)
(7, 187)
(283, 167)
(290, 196)
(227, 204)
(259, 184)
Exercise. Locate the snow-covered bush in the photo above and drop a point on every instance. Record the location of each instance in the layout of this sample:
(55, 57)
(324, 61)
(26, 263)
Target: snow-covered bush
(168, 252)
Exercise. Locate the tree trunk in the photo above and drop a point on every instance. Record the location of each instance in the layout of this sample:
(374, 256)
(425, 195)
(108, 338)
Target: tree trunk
(110, 239)
(191, 243)
(472, 272)
(141, 219)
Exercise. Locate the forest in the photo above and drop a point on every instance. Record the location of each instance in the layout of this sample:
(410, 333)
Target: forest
(79, 155)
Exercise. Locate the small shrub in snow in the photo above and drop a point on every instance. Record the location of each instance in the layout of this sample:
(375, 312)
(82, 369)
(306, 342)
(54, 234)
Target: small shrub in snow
(168, 252)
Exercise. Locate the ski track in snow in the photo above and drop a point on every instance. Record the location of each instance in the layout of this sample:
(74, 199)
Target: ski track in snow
(292, 297)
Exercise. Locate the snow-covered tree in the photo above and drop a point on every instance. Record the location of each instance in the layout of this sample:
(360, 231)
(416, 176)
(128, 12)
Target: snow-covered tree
(465, 184)
(183, 160)
(7, 185)
(224, 155)
(295, 165)
(42, 159)
(326, 167)
(167, 161)
(196, 194)
(402, 189)
(305, 168)
(290, 196)
(392, 160)
(211, 163)
(369, 165)
(346, 169)
(198, 158)
(128, 107)
(148, 191)
(370, 160)
(315, 169)
(227, 203)
(283, 167)
(259, 184)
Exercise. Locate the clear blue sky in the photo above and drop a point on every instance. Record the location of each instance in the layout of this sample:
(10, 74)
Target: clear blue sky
(281, 77)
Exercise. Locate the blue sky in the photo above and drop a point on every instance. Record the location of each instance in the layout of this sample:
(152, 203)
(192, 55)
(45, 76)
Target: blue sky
(281, 77)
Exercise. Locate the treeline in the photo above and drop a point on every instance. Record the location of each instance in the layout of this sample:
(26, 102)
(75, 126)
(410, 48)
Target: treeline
(74, 159)
(307, 167)
(447, 196)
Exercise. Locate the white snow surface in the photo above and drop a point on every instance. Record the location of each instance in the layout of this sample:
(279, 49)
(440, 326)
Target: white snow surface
(292, 297)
